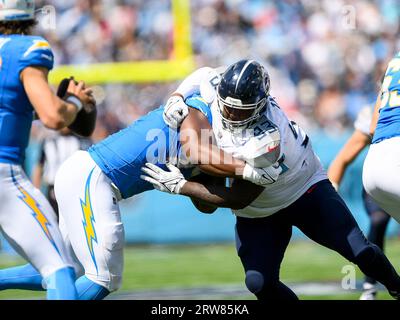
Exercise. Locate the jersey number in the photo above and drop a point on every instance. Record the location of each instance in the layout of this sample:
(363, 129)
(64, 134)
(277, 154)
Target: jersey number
(297, 131)
(391, 97)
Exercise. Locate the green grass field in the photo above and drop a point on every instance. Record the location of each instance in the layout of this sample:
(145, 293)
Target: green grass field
(162, 267)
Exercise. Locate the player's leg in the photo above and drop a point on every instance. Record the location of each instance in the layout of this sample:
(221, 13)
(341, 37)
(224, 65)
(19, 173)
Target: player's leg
(261, 244)
(324, 217)
(379, 221)
(92, 218)
(381, 173)
(78, 268)
(26, 277)
(28, 223)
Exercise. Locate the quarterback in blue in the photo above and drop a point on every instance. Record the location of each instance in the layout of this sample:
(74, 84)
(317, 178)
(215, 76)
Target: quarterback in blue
(90, 184)
(27, 220)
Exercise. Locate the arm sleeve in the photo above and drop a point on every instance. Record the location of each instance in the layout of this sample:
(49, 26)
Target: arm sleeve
(191, 84)
(36, 52)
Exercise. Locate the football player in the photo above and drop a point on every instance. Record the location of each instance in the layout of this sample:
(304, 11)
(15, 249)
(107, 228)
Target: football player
(90, 184)
(379, 219)
(243, 113)
(26, 218)
(381, 167)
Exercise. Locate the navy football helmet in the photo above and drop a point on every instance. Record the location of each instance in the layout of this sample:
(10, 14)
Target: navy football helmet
(243, 93)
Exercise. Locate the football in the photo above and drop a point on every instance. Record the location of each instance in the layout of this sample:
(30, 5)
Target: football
(85, 122)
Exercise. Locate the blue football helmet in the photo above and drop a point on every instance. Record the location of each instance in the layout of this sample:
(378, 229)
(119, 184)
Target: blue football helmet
(242, 93)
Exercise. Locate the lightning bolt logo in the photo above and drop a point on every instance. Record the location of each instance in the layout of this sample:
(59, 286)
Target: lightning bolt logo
(36, 211)
(37, 45)
(88, 220)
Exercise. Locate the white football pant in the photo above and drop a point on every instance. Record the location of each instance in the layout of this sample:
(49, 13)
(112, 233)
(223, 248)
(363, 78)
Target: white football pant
(381, 175)
(90, 219)
(29, 223)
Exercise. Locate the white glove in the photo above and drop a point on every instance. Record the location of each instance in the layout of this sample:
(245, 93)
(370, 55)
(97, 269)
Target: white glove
(166, 181)
(262, 176)
(175, 111)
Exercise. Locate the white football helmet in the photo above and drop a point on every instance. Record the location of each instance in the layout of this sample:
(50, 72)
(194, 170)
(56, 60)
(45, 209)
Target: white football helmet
(17, 10)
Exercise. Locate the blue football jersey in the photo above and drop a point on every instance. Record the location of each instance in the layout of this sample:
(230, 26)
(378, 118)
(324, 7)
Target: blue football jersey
(18, 52)
(389, 114)
(149, 139)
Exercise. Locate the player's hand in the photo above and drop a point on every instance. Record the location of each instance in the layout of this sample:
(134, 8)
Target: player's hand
(262, 176)
(170, 181)
(175, 111)
(85, 95)
(75, 93)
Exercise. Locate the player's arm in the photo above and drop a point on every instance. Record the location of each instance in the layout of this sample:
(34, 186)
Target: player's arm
(197, 142)
(175, 109)
(356, 143)
(197, 139)
(192, 83)
(238, 196)
(54, 112)
(202, 178)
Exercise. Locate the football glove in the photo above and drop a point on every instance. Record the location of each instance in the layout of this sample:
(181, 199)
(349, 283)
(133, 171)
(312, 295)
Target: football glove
(262, 176)
(175, 111)
(170, 181)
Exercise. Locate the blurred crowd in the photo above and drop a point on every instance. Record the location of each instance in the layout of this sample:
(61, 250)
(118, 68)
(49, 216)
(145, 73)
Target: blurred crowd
(325, 57)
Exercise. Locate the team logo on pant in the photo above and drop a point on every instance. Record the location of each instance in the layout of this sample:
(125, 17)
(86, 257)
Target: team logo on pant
(36, 211)
(88, 220)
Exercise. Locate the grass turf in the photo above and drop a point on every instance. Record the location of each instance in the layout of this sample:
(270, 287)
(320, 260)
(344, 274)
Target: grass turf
(155, 267)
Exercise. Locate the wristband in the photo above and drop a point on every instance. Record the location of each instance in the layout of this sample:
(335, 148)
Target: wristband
(248, 172)
(75, 101)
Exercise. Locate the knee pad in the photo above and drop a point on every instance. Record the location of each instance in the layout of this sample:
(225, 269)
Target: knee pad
(254, 281)
(267, 289)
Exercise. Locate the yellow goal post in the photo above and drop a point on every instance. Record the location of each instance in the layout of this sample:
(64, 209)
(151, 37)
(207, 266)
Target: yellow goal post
(142, 71)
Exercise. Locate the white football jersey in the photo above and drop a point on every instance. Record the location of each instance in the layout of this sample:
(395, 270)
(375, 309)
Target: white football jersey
(301, 168)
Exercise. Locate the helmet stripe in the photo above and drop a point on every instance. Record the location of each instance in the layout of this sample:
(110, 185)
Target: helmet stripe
(241, 73)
